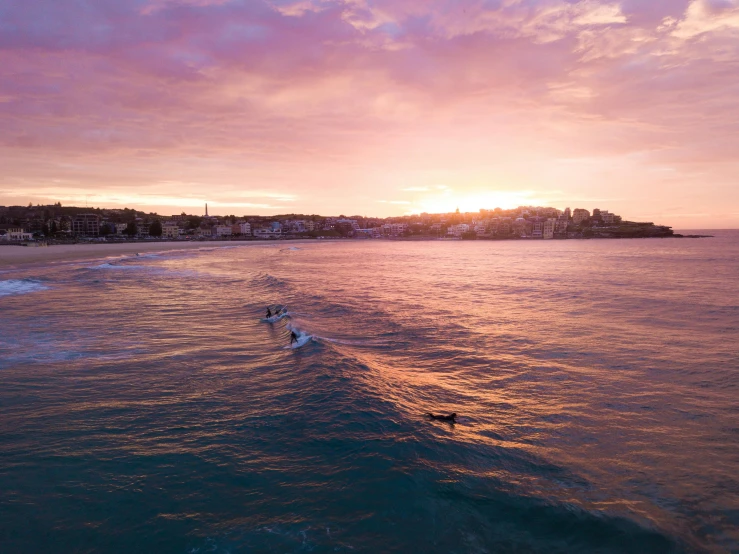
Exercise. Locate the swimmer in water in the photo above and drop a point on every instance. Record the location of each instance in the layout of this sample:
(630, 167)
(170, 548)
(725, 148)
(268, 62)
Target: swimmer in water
(293, 337)
(451, 418)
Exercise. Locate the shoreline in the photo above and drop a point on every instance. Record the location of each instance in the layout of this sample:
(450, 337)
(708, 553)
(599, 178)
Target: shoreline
(16, 257)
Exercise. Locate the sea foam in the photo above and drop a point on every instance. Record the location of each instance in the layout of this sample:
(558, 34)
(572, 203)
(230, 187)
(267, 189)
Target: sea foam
(115, 266)
(20, 286)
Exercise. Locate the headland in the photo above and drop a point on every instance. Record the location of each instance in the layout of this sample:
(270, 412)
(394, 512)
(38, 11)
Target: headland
(64, 223)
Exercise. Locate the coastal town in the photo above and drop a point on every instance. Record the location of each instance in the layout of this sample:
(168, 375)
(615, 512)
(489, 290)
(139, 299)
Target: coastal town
(53, 224)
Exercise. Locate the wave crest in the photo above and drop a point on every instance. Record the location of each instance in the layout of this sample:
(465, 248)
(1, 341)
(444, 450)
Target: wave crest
(20, 286)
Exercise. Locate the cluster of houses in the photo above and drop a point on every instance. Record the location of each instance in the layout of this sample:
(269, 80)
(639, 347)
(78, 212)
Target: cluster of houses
(536, 223)
(523, 222)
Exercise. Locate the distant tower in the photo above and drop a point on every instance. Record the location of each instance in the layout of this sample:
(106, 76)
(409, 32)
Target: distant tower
(206, 209)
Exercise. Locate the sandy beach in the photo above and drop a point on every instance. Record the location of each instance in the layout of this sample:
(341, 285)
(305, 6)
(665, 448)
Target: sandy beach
(17, 257)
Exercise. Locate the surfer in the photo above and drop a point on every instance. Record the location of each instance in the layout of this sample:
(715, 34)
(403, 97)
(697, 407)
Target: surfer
(269, 313)
(451, 417)
(293, 337)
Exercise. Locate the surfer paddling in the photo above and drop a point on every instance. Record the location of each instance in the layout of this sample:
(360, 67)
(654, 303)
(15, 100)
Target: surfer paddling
(452, 418)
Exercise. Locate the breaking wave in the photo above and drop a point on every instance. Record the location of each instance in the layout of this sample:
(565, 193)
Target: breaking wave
(108, 265)
(13, 287)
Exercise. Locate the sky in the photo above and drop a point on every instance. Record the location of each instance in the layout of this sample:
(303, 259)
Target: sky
(373, 107)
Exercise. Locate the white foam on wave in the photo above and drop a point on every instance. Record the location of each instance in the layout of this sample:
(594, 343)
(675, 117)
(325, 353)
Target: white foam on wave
(143, 256)
(303, 337)
(60, 355)
(356, 342)
(108, 265)
(275, 318)
(302, 341)
(20, 286)
(153, 270)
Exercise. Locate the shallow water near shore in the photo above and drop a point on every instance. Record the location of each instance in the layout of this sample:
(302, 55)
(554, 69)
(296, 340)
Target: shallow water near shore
(144, 407)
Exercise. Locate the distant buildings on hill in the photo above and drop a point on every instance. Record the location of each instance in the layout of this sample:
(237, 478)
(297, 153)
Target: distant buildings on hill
(18, 223)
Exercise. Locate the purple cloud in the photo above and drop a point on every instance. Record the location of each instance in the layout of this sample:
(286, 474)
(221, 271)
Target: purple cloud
(326, 81)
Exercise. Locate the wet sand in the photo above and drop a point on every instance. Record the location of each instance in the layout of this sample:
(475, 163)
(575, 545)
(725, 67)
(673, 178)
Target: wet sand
(15, 257)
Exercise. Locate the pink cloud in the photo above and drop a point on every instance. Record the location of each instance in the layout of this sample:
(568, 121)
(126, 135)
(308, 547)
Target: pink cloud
(396, 85)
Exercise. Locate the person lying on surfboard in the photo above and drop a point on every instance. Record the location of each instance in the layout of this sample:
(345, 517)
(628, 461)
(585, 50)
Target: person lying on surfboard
(452, 417)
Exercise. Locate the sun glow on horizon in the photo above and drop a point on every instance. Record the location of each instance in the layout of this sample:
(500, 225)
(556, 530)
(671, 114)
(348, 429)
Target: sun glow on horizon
(448, 201)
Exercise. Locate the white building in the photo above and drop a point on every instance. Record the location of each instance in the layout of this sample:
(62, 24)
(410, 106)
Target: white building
(15, 233)
(458, 230)
(607, 217)
(224, 230)
(580, 215)
(352, 222)
(521, 227)
(22, 235)
(394, 228)
(537, 228)
(170, 229)
(245, 228)
(267, 233)
(549, 227)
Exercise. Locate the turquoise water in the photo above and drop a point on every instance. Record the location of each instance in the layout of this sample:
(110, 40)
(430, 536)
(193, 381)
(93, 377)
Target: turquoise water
(144, 407)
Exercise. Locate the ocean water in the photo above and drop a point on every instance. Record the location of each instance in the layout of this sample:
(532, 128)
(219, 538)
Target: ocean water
(144, 407)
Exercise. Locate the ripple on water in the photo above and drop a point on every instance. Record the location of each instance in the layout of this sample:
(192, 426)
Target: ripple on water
(145, 407)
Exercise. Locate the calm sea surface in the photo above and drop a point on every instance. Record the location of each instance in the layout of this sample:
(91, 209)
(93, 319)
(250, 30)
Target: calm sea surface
(144, 407)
